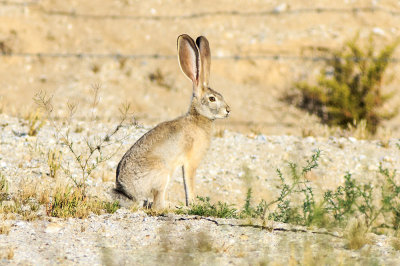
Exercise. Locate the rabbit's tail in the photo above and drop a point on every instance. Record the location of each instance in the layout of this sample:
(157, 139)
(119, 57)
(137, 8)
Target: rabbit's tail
(121, 191)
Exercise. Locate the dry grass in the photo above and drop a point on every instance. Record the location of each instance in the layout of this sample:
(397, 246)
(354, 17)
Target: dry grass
(35, 122)
(54, 159)
(7, 253)
(5, 229)
(356, 235)
(395, 241)
(71, 202)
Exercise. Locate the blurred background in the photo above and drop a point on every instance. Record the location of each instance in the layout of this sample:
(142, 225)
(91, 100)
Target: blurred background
(260, 50)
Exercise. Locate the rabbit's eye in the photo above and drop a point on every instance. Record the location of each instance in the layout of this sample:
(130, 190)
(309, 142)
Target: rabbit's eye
(211, 98)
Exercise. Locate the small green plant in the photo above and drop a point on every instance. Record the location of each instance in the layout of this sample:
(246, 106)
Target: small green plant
(299, 184)
(249, 211)
(391, 196)
(341, 202)
(111, 207)
(354, 90)
(205, 208)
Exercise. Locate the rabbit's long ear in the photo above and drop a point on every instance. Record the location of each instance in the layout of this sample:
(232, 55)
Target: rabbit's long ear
(188, 56)
(205, 56)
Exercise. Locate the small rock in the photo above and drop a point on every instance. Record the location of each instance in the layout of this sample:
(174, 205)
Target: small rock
(309, 139)
(353, 140)
(26, 208)
(122, 211)
(281, 8)
(261, 137)
(53, 228)
(378, 31)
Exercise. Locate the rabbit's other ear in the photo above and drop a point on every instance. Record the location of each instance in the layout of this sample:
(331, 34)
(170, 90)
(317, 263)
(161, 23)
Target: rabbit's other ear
(205, 57)
(188, 56)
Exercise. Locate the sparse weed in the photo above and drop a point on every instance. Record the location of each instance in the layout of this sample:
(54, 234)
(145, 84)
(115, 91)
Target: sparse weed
(94, 153)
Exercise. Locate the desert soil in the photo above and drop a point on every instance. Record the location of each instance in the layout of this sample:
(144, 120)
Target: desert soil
(78, 42)
(134, 237)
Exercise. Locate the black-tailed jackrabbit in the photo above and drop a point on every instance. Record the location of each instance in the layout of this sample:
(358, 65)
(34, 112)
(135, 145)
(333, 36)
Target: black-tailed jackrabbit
(144, 171)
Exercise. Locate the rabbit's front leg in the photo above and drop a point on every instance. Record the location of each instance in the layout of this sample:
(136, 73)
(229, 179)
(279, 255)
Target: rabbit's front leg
(189, 172)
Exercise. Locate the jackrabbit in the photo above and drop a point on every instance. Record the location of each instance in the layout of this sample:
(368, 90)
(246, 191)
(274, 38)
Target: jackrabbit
(144, 171)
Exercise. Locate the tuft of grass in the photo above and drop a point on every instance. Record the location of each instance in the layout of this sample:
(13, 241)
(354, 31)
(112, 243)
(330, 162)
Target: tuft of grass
(349, 89)
(158, 77)
(203, 207)
(95, 67)
(7, 253)
(71, 202)
(3, 187)
(356, 235)
(111, 207)
(5, 229)
(35, 122)
(54, 158)
(395, 243)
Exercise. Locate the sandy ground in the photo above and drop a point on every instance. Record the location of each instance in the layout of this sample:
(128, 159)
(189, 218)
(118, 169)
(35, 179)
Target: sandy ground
(63, 48)
(253, 86)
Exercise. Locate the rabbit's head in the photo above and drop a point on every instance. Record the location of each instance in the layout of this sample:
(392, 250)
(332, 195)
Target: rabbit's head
(195, 60)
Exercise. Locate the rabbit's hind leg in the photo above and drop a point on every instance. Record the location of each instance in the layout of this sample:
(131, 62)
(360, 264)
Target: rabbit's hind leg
(159, 195)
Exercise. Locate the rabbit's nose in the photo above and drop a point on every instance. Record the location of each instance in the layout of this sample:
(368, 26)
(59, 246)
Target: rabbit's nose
(228, 109)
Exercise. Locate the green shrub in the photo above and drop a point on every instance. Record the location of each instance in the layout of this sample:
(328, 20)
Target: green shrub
(354, 91)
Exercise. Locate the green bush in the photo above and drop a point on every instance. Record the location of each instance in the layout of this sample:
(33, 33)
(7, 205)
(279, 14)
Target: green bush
(353, 92)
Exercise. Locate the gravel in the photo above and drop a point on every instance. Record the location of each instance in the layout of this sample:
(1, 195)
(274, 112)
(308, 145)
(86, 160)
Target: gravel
(127, 237)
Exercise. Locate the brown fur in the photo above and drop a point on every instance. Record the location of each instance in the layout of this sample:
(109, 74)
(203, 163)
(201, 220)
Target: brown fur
(144, 171)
